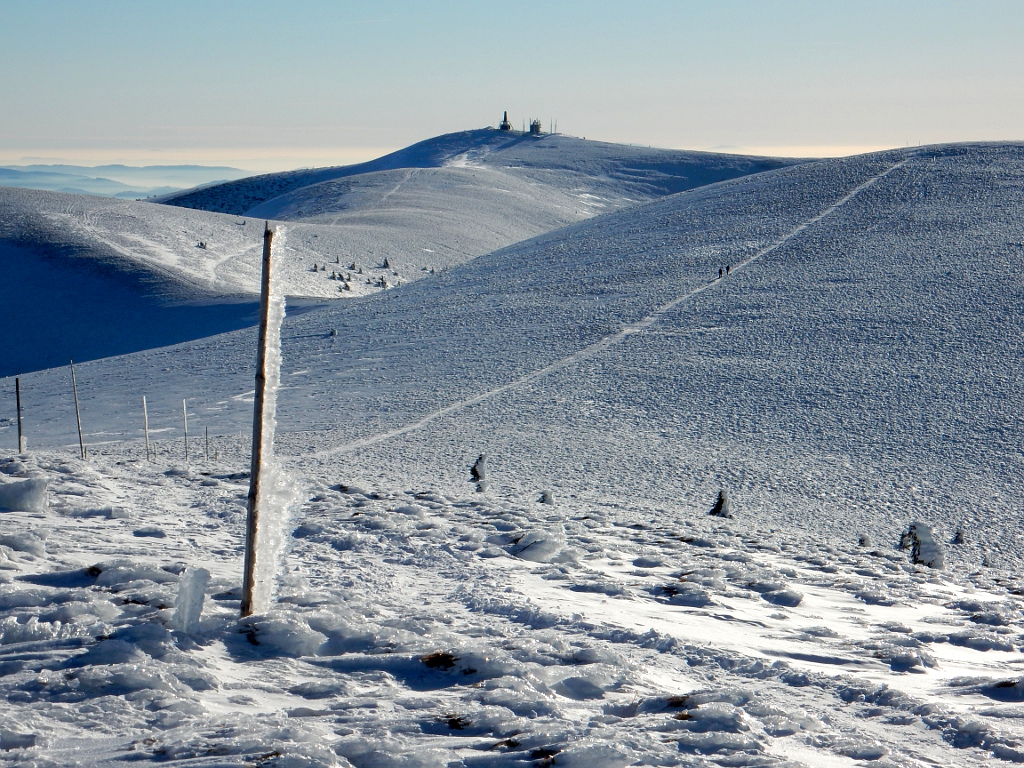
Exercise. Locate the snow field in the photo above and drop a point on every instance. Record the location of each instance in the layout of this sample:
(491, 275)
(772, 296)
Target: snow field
(414, 628)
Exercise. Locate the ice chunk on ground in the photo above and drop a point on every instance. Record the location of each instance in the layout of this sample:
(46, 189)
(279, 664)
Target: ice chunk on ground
(24, 495)
(189, 605)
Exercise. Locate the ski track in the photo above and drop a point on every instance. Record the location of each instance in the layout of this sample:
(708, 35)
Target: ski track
(605, 343)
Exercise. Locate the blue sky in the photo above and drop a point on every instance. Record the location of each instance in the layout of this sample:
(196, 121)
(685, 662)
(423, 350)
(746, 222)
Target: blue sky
(270, 85)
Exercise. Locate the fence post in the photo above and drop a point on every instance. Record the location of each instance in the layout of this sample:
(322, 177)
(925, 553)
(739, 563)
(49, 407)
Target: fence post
(145, 425)
(78, 413)
(17, 396)
(252, 519)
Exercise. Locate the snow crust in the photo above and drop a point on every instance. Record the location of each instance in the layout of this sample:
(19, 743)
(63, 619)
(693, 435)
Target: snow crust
(399, 638)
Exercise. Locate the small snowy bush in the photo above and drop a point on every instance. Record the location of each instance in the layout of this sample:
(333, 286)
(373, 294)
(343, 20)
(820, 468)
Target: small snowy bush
(924, 550)
(721, 508)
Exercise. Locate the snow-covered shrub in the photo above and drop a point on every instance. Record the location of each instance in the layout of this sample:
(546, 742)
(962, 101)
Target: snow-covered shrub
(478, 472)
(538, 546)
(285, 635)
(685, 593)
(24, 495)
(924, 550)
(721, 508)
(787, 598)
(578, 688)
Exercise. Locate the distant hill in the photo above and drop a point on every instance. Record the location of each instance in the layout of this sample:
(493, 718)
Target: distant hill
(575, 167)
(128, 182)
(856, 370)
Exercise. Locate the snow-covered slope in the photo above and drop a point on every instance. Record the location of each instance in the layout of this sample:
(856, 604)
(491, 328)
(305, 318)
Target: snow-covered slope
(858, 365)
(855, 371)
(164, 267)
(567, 163)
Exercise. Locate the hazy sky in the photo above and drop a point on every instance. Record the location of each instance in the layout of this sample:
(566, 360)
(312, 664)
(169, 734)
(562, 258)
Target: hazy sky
(272, 85)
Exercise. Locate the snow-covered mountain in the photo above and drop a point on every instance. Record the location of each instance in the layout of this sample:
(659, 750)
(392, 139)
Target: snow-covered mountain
(855, 370)
(181, 274)
(588, 173)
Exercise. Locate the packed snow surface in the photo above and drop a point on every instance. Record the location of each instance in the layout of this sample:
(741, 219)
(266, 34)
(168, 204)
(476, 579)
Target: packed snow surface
(853, 371)
(427, 629)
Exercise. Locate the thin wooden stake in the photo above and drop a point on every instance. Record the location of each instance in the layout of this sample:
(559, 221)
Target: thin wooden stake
(17, 396)
(78, 413)
(252, 518)
(184, 418)
(207, 443)
(145, 426)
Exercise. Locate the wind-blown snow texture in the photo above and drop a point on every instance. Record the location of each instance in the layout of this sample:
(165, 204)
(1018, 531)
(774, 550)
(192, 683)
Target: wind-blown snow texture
(855, 372)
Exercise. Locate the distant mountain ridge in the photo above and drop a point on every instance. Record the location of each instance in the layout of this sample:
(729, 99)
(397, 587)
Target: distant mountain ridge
(122, 181)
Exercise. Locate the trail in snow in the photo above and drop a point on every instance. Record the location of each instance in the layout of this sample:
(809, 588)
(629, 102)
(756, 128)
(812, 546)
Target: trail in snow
(606, 342)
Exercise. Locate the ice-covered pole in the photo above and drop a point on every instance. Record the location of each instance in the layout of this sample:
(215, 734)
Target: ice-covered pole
(258, 421)
(184, 421)
(145, 427)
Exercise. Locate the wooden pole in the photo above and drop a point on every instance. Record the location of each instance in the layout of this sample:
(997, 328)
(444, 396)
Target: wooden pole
(252, 519)
(78, 413)
(184, 419)
(145, 425)
(17, 396)
(207, 443)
